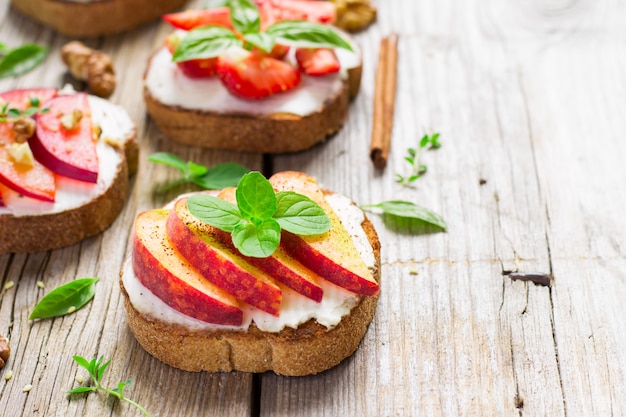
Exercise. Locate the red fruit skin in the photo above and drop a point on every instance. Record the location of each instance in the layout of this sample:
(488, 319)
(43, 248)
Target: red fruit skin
(317, 62)
(71, 153)
(219, 265)
(162, 270)
(191, 19)
(324, 266)
(254, 77)
(37, 181)
(195, 68)
(273, 11)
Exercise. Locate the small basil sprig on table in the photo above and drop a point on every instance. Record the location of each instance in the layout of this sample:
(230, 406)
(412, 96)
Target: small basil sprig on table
(65, 299)
(407, 210)
(260, 214)
(413, 158)
(17, 61)
(219, 176)
(96, 369)
(8, 113)
(210, 41)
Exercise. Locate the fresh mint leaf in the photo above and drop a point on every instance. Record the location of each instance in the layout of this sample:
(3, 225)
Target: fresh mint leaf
(215, 178)
(298, 214)
(255, 223)
(258, 241)
(221, 176)
(261, 40)
(21, 60)
(205, 42)
(302, 33)
(96, 369)
(256, 199)
(408, 210)
(244, 16)
(65, 299)
(214, 211)
(168, 159)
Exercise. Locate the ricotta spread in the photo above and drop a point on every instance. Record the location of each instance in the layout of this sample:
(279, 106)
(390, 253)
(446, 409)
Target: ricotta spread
(116, 126)
(295, 308)
(167, 84)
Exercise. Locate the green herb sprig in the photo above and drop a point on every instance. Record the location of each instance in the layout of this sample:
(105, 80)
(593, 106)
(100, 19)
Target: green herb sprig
(96, 369)
(413, 158)
(65, 299)
(8, 114)
(215, 178)
(406, 210)
(256, 221)
(210, 41)
(20, 60)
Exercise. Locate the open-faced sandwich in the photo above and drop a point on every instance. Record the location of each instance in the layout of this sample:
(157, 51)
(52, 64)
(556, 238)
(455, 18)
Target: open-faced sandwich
(269, 76)
(274, 275)
(88, 18)
(65, 158)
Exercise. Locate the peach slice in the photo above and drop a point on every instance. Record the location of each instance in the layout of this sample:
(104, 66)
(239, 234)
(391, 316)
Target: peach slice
(164, 271)
(332, 255)
(197, 242)
(280, 265)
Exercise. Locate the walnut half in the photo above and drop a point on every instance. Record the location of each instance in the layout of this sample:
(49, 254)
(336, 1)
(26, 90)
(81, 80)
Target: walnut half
(5, 351)
(354, 15)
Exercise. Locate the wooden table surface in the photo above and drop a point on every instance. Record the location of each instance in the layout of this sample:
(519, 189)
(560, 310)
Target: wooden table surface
(530, 101)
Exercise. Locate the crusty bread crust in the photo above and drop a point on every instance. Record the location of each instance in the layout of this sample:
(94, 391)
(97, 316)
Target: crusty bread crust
(104, 17)
(309, 349)
(37, 233)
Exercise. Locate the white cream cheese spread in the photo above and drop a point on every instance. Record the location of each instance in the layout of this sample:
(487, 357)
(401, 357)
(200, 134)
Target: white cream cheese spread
(167, 84)
(295, 308)
(116, 125)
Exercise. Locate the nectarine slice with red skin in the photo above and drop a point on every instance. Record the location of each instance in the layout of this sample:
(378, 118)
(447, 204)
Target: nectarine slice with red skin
(333, 254)
(280, 265)
(70, 152)
(196, 241)
(168, 275)
(34, 181)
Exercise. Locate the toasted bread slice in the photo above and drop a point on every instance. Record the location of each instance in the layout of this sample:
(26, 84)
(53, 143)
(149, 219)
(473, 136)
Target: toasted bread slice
(308, 349)
(96, 18)
(243, 128)
(52, 227)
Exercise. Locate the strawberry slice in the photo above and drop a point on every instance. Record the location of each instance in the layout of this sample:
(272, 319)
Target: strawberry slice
(191, 19)
(35, 181)
(320, 61)
(252, 76)
(273, 11)
(195, 68)
(64, 138)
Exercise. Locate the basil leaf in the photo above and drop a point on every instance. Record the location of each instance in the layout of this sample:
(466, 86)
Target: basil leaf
(3, 49)
(258, 241)
(221, 176)
(255, 197)
(307, 34)
(65, 299)
(205, 42)
(261, 40)
(408, 210)
(168, 159)
(298, 214)
(216, 212)
(22, 59)
(195, 170)
(245, 16)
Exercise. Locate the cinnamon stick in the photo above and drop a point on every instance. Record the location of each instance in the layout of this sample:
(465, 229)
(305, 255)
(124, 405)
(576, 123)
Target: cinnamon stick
(384, 100)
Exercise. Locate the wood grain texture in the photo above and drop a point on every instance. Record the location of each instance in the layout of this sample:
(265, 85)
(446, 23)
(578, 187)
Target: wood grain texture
(529, 100)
